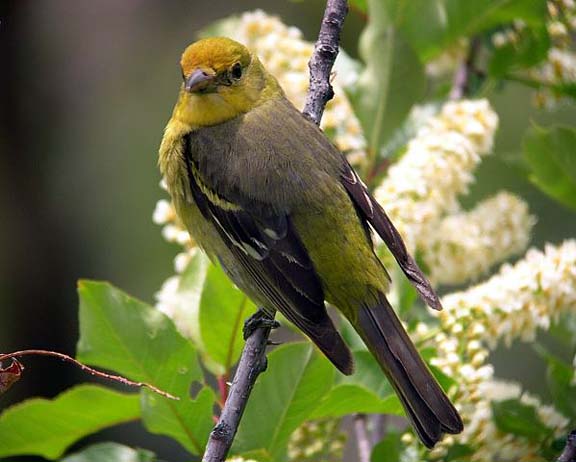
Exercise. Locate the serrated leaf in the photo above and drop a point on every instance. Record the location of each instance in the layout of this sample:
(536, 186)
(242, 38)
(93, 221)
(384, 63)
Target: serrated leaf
(513, 416)
(391, 82)
(223, 309)
(111, 452)
(551, 157)
(47, 427)
(387, 450)
(187, 421)
(121, 333)
(283, 398)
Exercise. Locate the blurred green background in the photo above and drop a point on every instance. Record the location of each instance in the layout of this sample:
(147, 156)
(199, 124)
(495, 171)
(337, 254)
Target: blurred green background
(87, 88)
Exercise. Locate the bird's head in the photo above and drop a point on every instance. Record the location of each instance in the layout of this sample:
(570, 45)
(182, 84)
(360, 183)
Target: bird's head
(222, 80)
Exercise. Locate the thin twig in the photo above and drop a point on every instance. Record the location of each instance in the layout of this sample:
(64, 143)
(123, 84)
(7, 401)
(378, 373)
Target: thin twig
(461, 83)
(253, 355)
(362, 438)
(251, 364)
(569, 452)
(325, 52)
(89, 370)
(378, 422)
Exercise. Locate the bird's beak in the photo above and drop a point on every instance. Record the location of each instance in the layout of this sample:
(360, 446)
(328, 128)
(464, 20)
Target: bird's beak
(199, 80)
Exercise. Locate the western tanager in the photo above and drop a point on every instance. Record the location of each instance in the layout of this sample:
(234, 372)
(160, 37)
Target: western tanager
(264, 192)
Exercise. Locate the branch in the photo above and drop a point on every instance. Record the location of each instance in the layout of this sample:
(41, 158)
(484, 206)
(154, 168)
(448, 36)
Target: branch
(251, 364)
(253, 360)
(569, 452)
(325, 52)
(94, 372)
(461, 83)
(362, 438)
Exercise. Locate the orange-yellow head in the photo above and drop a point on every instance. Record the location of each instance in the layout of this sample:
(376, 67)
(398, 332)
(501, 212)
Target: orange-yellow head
(222, 80)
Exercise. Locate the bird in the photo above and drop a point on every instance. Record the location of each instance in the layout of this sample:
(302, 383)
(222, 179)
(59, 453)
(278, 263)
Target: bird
(266, 195)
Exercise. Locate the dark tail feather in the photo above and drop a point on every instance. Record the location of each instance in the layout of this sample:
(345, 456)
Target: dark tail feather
(429, 409)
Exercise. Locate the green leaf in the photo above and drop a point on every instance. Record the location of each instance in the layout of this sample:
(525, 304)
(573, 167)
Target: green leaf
(366, 391)
(128, 336)
(513, 416)
(551, 157)
(121, 333)
(111, 452)
(360, 5)
(392, 81)
(47, 427)
(368, 374)
(387, 450)
(258, 456)
(530, 48)
(223, 309)
(559, 375)
(433, 25)
(458, 452)
(187, 421)
(283, 398)
(347, 399)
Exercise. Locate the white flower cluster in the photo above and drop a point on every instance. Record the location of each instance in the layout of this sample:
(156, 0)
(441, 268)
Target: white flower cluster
(513, 304)
(285, 54)
(519, 299)
(421, 193)
(317, 440)
(559, 68)
(464, 245)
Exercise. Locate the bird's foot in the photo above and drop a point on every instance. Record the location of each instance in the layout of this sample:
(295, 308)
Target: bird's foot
(258, 319)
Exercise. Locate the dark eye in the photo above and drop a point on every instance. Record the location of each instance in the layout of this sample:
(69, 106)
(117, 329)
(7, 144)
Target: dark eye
(236, 71)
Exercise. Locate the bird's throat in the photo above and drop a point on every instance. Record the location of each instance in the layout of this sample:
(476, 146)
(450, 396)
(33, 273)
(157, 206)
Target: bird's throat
(203, 110)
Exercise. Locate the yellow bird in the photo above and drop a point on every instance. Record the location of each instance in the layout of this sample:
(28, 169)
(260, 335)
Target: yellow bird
(265, 193)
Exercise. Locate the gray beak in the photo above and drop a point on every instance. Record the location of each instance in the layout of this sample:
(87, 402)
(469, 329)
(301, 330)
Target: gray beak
(198, 80)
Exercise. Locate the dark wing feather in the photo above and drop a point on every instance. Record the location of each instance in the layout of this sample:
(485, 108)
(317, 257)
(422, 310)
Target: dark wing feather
(272, 256)
(376, 216)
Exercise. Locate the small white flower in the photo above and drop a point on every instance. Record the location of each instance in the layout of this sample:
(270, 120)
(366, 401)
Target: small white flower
(163, 212)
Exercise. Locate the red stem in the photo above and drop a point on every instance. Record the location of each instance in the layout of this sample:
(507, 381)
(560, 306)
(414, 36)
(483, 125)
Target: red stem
(223, 388)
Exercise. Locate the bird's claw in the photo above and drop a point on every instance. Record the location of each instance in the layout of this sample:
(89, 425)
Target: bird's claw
(258, 319)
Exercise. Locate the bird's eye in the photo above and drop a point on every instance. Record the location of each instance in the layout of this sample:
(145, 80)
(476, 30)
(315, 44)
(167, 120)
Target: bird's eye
(236, 71)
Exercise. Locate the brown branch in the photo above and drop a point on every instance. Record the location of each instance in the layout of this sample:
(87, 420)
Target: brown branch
(325, 52)
(251, 364)
(569, 452)
(253, 359)
(461, 82)
(89, 370)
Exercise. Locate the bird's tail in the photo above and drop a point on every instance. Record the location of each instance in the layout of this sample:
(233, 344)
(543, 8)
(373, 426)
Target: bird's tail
(429, 409)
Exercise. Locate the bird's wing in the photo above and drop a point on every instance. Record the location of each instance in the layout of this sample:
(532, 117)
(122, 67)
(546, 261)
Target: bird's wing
(273, 258)
(376, 216)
